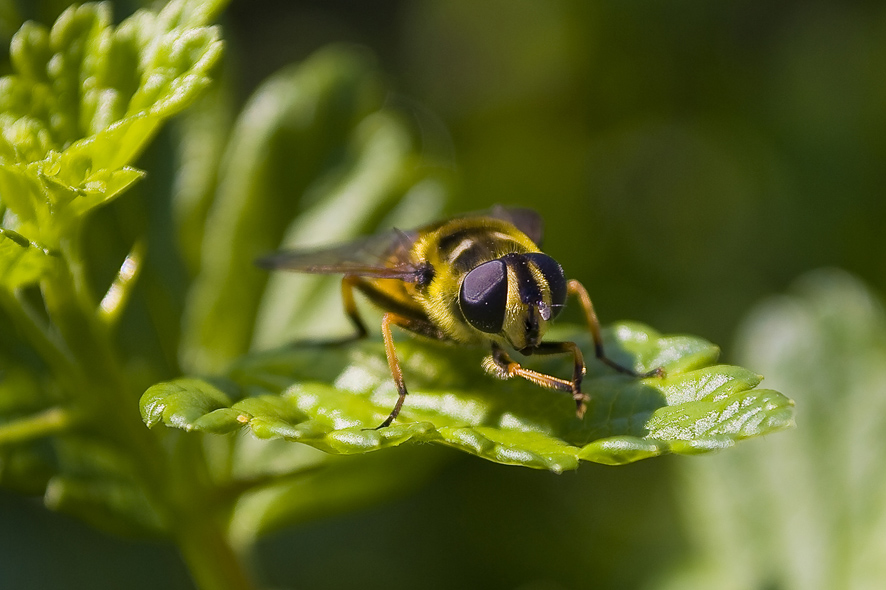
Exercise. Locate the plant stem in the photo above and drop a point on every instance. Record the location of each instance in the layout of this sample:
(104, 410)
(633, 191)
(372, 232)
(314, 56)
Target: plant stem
(43, 341)
(209, 556)
(82, 353)
(47, 422)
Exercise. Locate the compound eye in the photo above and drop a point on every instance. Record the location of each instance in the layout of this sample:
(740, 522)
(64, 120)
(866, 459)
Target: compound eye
(484, 296)
(553, 274)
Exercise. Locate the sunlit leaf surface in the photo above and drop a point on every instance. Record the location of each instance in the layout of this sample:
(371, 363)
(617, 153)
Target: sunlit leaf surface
(21, 262)
(85, 99)
(330, 396)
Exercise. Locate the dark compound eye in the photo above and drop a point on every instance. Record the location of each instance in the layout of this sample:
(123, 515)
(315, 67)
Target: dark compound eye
(553, 274)
(484, 296)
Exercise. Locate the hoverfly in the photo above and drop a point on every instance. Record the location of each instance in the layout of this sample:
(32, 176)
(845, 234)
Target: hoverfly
(475, 280)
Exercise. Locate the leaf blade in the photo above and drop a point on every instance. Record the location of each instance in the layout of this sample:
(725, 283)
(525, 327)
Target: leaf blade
(326, 397)
(22, 262)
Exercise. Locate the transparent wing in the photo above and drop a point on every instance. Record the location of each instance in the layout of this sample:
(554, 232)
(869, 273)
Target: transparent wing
(384, 256)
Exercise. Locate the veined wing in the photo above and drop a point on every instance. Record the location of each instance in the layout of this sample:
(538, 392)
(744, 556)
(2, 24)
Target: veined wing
(383, 256)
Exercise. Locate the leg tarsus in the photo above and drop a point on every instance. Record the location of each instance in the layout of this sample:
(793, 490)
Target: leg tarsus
(581, 404)
(394, 413)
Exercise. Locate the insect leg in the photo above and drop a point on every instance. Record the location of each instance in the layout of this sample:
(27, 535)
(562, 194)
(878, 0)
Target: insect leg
(573, 287)
(507, 368)
(393, 364)
(412, 319)
(347, 297)
(417, 326)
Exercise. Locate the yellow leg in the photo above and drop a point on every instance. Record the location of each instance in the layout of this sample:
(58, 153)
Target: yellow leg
(393, 364)
(505, 368)
(347, 297)
(573, 287)
(417, 325)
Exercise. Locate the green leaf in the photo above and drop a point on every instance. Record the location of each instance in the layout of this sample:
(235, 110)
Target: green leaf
(201, 133)
(384, 169)
(326, 397)
(21, 262)
(86, 99)
(313, 140)
(805, 510)
(83, 75)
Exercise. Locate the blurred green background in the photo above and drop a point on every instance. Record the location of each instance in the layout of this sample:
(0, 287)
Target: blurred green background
(689, 159)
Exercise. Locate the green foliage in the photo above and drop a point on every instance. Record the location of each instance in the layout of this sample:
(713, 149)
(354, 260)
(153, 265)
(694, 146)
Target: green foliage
(85, 100)
(309, 131)
(316, 154)
(327, 396)
(22, 262)
(805, 510)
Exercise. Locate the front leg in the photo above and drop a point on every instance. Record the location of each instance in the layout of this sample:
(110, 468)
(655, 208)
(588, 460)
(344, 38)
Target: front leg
(503, 367)
(573, 287)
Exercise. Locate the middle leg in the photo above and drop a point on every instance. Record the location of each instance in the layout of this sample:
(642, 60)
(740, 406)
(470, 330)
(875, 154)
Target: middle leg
(413, 325)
